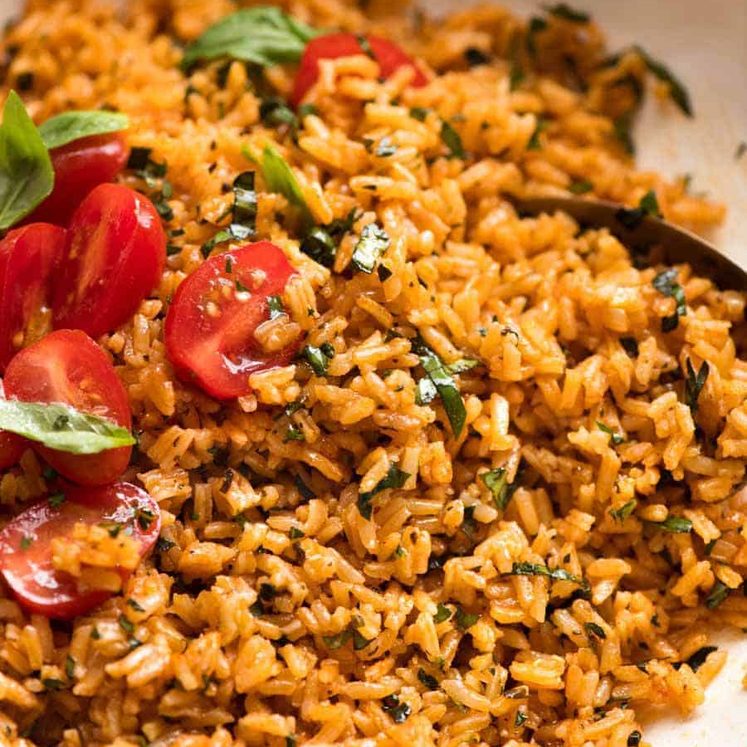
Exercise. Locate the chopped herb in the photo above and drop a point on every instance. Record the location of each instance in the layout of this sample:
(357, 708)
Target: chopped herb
(536, 25)
(496, 481)
(465, 620)
(73, 125)
(695, 383)
(677, 90)
(306, 492)
(164, 544)
(534, 141)
(696, 661)
(257, 609)
(135, 605)
(445, 385)
(292, 407)
(632, 217)
(718, 594)
(708, 549)
(333, 642)
(561, 10)
(615, 438)
(520, 719)
(384, 273)
(127, 625)
(428, 680)
(69, 667)
(556, 574)
(53, 684)
(625, 511)
(665, 283)
(295, 533)
(365, 46)
(385, 148)
(294, 433)
(290, 741)
(630, 346)
(452, 140)
(398, 710)
(592, 629)
(275, 112)
(474, 57)
(49, 474)
(318, 245)
(26, 542)
(56, 499)
(373, 242)
(622, 129)
(634, 738)
(443, 613)
(244, 215)
(419, 112)
(394, 478)
(306, 110)
(275, 304)
(267, 592)
(318, 358)
(95, 633)
(144, 517)
(581, 187)
(359, 642)
(280, 178)
(462, 365)
(740, 151)
(674, 525)
(400, 552)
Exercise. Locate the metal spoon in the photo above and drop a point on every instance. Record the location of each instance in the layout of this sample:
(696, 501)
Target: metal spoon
(667, 243)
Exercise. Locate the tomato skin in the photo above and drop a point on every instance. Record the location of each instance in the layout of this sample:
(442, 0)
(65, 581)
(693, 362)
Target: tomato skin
(218, 352)
(11, 449)
(29, 259)
(78, 168)
(115, 256)
(68, 367)
(26, 565)
(331, 46)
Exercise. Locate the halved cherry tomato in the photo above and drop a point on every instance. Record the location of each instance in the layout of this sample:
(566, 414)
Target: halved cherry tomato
(331, 46)
(78, 168)
(68, 367)
(210, 324)
(29, 258)
(26, 544)
(115, 256)
(11, 449)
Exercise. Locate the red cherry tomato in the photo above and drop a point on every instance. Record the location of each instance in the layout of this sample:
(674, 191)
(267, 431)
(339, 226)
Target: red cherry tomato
(78, 168)
(26, 544)
(331, 46)
(68, 367)
(11, 449)
(29, 258)
(115, 256)
(210, 323)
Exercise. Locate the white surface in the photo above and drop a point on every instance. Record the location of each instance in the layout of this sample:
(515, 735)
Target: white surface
(705, 43)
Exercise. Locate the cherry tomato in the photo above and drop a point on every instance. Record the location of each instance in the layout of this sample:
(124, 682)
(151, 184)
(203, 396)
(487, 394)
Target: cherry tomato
(78, 168)
(210, 323)
(331, 46)
(115, 256)
(29, 259)
(68, 367)
(26, 544)
(11, 449)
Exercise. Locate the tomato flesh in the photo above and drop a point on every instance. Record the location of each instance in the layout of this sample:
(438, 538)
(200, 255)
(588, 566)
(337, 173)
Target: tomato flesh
(389, 55)
(210, 323)
(115, 254)
(26, 552)
(68, 367)
(29, 259)
(78, 168)
(11, 449)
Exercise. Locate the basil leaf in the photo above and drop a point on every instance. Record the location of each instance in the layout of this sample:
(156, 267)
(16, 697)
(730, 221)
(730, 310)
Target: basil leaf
(677, 90)
(452, 140)
(580, 187)
(428, 680)
(534, 141)
(496, 481)
(398, 710)
(696, 661)
(69, 126)
(623, 126)
(443, 613)
(394, 478)
(275, 304)
(443, 381)
(262, 35)
(26, 174)
(244, 214)
(281, 179)
(718, 594)
(695, 383)
(625, 511)
(632, 217)
(318, 357)
(561, 10)
(592, 629)
(674, 525)
(615, 438)
(464, 619)
(556, 574)
(665, 283)
(425, 392)
(62, 428)
(630, 346)
(374, 241)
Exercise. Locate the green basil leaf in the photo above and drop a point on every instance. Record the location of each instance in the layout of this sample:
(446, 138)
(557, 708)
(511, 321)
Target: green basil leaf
(665, 283)
(443, 613)
(281, 179)
(374, 241)
(262, 35)
(534, 141)
(26, 174)
(496, 481)
(592, 629)
(428, 680)
(452, 140)
(615, 438)
(580, 187)
(674, 525)
(718, 594)
(464, 619)
(62, 428)
(244, 214)
(625, 511)
(556, 574)
(394, 478)
(695, 383)
(677, 90)
(69, 126)
(632, 217)
(567, 13)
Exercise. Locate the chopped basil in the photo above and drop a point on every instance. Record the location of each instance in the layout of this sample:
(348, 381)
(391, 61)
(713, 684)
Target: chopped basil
(632, 217)
(373, 242)
(26, 542)
(615, 438)
(718, 594)
(696, 661)
(333, 642)
(275, 304)
(244, 214)
(474, 57)
(556, 574)
(634, 738)
(144, 518)
(262, 35)
(465, 620)
(445, 385)
(398, 710)
(135, 605)
(592, 629)
(394, 478)
(26, 174)
(625, 511)
(295, 533)
(561, 10)
(318, 358)
(127, 625)
(580, 187)
(443, 613)
(419, 112)
(630, 346)
(294, 433)
(70, 667)
(385, 148)
(496, 481)
(320, 242)
(359, 642)
(677, 90)
(452, 140)
(274, 112)
(306, 492)
(56, 499)
(305, 110)
(384, 273)
(463, 364)
(70, 126)
(428, 680)
(520, 719)
(534, 141)
(665, 283)
(536, 25)
(53, 684)
(164, 544)
(62, 428)
(281, 179)
(622, 129)
(694, 384)
(365, 46)
(673, 524)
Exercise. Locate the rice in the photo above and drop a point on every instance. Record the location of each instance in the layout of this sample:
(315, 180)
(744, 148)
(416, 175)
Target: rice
(274, 611)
